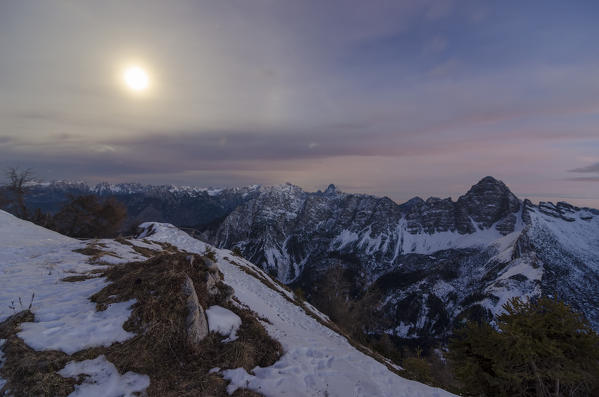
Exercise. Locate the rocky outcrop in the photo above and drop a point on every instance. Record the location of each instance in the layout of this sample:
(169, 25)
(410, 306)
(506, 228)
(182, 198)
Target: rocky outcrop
(196, 323)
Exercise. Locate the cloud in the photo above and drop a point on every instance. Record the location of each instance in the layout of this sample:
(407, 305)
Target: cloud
(395, 91)
(585, 179)
(589, 168)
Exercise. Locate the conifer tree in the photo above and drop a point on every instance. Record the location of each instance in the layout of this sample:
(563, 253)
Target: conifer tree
(539, 348)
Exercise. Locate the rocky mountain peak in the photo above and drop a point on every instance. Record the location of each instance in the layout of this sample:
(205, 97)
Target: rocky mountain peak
(488, 185)
(331, 189)
(489, 201)
(411, 203)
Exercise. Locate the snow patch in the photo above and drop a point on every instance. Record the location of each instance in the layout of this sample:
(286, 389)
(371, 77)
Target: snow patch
(505, 247)
(223, 321)
(424, 243)
(34, 260)
(442, 288)
(525, 268)
(165, 232)
(344, 238)
(74, 324)
(104, 379)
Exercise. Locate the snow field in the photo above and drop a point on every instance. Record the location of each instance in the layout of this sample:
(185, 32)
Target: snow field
(33, 262)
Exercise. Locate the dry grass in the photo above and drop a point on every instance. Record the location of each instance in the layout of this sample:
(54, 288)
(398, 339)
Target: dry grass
(90, 250)
(143, 251)
(95, 253)
(74, 279)
(159, 348)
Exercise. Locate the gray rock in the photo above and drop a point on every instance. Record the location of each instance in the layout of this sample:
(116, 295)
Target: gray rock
(211, 265)
(212, 278)
(196, 323)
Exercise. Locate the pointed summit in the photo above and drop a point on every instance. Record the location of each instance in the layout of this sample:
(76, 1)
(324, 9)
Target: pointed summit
(489, 181)
(489, 187)
(490, 201)
(331, 189)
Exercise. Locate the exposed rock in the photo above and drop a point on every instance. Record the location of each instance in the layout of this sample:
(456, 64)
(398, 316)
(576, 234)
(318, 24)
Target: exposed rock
(488, 202)
(527, 208)
(331, 189)
(211, 265)
(196, 323)
(227, 291)
(212, 279)
(507, 224)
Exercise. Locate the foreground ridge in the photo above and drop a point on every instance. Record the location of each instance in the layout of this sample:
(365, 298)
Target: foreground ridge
(128, 290)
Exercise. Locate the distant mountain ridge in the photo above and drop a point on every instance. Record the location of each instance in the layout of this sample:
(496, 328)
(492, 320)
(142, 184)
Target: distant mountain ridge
(434, 261)
(185, 206)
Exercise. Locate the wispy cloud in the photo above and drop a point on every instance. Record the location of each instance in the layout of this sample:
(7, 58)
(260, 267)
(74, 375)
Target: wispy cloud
(380, 93)
(585, 179)
(589, 168)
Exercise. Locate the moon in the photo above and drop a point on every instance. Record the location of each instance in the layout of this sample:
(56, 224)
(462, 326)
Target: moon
(136, 78)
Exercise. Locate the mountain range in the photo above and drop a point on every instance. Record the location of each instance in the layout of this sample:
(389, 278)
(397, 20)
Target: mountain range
(431, 263)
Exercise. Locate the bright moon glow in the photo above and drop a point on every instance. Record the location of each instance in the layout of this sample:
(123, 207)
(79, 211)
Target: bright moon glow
(136, 78)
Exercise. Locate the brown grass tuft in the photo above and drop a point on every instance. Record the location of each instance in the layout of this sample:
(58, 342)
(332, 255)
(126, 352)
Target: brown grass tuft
(159, 349)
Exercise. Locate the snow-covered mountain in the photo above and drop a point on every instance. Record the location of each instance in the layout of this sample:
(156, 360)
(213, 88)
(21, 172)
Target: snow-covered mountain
(434, 261)
(90, 303)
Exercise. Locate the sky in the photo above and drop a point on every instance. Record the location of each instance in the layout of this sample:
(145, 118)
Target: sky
(394, 98)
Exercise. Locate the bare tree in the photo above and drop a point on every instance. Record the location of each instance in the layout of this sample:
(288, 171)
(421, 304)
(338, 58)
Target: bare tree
(17, 187)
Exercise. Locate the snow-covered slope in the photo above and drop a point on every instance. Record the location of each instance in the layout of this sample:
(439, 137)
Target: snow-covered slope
(33, 260)
(317, 361)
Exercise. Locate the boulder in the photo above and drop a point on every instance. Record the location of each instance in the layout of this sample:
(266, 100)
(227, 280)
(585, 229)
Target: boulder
(196, 324)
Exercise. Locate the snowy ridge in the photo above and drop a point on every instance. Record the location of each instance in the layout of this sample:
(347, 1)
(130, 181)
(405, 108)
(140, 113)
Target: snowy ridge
(317, 360)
